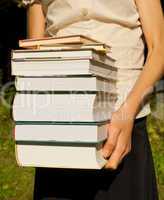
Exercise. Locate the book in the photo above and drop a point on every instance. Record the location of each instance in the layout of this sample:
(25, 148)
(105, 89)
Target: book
(28, 55)
(65, 83)
(63, 107)
(61, 132)
(70, 39)
(57, 53)
(100, 47)
(51, 67)
(59, 155)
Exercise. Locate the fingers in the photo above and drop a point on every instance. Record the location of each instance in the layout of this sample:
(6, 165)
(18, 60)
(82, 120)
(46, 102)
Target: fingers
(118, 143)
(118, 154)
(128, 149)
(111, 142)
(115, 158)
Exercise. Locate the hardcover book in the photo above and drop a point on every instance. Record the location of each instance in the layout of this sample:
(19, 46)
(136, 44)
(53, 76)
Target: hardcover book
(71, 39)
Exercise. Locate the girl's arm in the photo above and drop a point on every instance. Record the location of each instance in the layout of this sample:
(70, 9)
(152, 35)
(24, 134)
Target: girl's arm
(121, 125)
(152, 20)
(35, 21)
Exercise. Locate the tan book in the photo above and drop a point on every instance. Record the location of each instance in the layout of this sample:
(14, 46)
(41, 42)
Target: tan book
(71, 39)
(101, 47)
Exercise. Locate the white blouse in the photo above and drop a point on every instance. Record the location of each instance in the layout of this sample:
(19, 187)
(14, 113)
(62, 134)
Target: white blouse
(114, 22)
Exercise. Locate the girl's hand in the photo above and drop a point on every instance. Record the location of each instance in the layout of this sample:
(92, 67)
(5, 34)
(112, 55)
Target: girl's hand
(118, 143)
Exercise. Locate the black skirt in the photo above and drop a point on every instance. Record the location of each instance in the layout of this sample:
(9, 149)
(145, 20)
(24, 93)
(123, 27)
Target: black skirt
(133, 180)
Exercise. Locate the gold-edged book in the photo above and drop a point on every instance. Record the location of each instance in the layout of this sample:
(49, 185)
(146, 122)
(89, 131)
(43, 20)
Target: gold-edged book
(70, 39)
(101, 47)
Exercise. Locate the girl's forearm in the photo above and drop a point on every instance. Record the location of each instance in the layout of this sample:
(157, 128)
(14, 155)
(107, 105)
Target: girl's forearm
(35, 21)
(151, 73)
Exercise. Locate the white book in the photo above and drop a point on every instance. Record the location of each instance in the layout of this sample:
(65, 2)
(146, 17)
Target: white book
(51, 67)
(63, 107)
(66, 83)
(61, 132)
(62, 54)
(52, 156)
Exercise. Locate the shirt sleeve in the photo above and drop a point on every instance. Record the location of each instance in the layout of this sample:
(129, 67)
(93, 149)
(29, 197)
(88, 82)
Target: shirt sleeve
(29, 2)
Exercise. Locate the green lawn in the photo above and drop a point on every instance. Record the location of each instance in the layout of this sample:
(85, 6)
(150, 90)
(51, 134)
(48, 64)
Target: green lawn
(17, 183)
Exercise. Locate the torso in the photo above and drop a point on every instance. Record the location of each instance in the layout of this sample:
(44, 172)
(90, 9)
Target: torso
(114, 22)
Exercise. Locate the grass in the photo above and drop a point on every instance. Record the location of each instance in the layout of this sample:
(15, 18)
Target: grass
(17, 183)
(155, 128)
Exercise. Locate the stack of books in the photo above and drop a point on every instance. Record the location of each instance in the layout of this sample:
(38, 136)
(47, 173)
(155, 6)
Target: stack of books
(63, 103)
